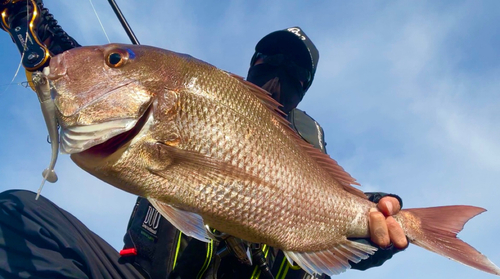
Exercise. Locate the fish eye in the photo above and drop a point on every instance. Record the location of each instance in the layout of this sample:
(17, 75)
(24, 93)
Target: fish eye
(117, 58)
(114, 58)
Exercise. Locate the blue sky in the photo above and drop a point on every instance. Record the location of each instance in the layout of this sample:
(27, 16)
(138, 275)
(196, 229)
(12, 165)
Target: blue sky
(407, 93)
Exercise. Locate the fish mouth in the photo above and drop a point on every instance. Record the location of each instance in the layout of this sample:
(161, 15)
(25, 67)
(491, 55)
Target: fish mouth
(102, 139)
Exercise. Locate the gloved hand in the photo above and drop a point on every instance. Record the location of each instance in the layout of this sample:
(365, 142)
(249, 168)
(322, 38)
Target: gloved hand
(385, 231)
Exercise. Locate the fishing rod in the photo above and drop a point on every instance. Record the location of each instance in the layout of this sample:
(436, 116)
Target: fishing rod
(124, 22)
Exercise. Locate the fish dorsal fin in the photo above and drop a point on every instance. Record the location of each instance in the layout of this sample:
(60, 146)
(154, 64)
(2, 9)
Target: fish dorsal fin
(325, 161)
(332, 261)
(334, 169)
(191, 224)
(265, 98)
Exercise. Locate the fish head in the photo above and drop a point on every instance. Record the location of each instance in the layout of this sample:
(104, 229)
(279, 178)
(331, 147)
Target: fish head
(104, 91)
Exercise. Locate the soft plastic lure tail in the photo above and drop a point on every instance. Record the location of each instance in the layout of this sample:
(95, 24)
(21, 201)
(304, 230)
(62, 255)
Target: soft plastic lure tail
(42, 89)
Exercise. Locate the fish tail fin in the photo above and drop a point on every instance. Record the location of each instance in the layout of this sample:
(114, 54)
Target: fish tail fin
(436, 228)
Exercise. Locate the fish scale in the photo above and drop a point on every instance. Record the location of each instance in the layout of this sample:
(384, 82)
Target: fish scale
(207, 148)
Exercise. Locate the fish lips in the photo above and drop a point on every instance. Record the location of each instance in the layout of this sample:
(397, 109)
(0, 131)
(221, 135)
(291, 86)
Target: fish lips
(77, 139)
(103, 135)
(105, 141)
(102, 117)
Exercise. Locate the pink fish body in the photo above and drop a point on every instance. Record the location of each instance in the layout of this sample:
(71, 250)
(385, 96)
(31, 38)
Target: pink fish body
(209, 149)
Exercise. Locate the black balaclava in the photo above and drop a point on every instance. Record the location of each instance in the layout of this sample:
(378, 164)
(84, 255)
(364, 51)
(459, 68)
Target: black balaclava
(280, 77)
(284, 64)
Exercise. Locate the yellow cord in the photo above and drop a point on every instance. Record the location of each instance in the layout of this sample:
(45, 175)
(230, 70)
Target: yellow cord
(177, 249)
(206, 264)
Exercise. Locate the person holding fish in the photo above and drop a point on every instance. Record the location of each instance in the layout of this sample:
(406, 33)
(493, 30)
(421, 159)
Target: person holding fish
(284, 64)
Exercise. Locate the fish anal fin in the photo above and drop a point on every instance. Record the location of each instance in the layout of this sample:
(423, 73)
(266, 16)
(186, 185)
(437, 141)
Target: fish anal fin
(189, 223)
(332, 261)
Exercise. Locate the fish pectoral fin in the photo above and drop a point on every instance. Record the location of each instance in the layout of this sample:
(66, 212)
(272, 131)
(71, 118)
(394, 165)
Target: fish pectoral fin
(189, 223)
(333, 261)
(189, 158)
(208, 167)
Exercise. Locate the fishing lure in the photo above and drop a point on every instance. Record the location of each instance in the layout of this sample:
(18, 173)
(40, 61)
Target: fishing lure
(42, 88)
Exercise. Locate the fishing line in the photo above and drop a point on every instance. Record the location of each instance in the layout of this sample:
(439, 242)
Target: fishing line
(24, 84)
(102, 26)
(15, 75)
(25, 47)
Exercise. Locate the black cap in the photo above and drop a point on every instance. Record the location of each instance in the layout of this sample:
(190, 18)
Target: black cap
(294, 43)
